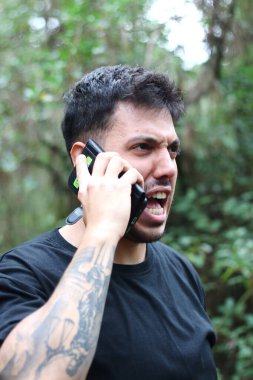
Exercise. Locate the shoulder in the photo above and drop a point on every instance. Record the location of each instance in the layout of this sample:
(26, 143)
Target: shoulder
(174, 264)
(166, 253)
(37, 261)
(37, 248)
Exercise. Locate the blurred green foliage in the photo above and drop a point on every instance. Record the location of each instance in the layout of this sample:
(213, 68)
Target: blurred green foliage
(47, 45)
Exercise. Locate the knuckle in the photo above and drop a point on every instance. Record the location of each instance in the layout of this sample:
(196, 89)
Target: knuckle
(110, 154)
(91, 185)
(100, 156)
(81, 193)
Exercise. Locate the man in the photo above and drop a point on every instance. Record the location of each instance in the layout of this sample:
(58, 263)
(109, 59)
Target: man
(85, 301)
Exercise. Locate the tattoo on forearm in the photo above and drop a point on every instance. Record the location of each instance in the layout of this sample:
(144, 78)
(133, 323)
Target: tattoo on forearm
(68, 338)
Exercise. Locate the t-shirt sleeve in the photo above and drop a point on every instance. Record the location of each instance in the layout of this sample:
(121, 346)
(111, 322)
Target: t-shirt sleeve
(21, 292)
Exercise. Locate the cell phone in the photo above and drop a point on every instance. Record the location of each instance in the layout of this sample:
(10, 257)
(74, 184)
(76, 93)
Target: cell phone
(138, 196)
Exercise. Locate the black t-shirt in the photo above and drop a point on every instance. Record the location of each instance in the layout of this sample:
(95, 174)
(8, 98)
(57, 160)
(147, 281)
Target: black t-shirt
(154, 326)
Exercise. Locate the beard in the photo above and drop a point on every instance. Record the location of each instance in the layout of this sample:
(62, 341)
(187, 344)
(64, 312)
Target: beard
(139, 236)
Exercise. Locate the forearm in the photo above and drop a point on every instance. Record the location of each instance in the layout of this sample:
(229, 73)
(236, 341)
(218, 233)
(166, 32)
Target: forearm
(58, 341)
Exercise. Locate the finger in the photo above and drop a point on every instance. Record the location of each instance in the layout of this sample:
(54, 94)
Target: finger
(101, 162)
(116, 166)
(82, 171)
(132, 176)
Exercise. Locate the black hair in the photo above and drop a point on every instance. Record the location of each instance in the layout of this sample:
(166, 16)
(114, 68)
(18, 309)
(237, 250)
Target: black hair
(90, 103)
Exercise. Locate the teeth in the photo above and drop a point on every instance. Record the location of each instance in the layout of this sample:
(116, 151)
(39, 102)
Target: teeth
(155, 211)
(158, 210)
(159, 195)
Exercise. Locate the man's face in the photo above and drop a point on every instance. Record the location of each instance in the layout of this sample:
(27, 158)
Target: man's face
(148, 141)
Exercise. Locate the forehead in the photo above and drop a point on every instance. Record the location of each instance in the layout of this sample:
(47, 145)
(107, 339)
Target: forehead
(129, 121)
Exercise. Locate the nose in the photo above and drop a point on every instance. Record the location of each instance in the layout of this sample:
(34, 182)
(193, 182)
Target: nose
(164, 165)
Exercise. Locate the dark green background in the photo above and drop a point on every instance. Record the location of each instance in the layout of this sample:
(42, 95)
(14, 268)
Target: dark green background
(45, 46)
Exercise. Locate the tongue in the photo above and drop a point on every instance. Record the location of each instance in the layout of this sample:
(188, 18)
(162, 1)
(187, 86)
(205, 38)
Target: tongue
(153, 203)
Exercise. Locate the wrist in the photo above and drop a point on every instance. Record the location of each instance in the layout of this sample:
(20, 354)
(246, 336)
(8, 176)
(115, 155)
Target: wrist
(99, 235)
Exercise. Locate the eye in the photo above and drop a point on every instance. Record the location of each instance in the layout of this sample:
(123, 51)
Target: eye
(174, 150)
(142, 147)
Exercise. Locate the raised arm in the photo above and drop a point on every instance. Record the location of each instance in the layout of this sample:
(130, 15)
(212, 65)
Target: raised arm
(58, 341)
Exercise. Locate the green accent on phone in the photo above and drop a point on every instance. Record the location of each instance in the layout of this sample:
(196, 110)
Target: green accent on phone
(88, 160)
(76, 183)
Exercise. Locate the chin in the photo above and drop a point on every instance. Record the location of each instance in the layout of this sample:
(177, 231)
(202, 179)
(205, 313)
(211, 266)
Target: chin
(148, 235)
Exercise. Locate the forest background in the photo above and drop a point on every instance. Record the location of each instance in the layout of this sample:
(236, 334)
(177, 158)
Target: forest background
(47, 45)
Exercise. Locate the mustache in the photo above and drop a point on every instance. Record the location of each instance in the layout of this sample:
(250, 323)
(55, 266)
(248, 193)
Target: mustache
(157, 182)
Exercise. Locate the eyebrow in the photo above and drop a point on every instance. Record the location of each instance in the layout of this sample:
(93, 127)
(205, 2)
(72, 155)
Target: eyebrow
(151, 140)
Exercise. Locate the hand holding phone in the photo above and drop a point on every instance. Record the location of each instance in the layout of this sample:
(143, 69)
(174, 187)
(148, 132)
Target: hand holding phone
(138, 197)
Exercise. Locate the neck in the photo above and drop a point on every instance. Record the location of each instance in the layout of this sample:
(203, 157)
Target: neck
(127, 252)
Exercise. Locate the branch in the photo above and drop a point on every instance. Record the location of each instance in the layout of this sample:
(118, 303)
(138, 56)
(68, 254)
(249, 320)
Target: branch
(220, 24)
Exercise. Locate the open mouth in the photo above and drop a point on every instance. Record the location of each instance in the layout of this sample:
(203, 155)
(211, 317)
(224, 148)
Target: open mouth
(156, 203)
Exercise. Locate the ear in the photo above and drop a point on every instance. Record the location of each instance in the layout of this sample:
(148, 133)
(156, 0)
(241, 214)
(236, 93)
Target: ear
(76, 149)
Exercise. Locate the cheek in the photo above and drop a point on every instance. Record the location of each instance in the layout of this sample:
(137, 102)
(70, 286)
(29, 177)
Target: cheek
(142, 166)
(143, 170)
